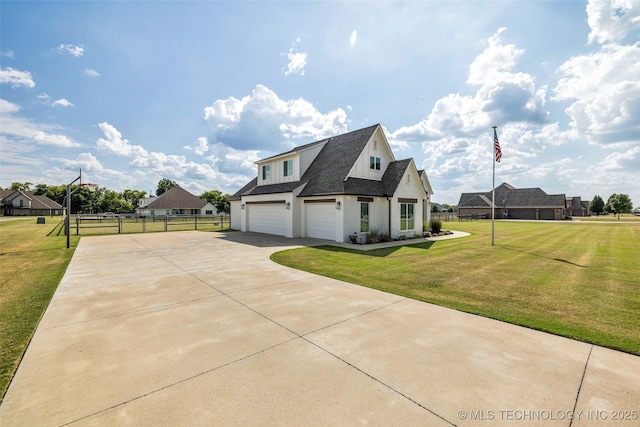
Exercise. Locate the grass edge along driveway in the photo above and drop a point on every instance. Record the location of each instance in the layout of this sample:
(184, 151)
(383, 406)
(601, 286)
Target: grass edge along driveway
(33, 259)
(577, 280)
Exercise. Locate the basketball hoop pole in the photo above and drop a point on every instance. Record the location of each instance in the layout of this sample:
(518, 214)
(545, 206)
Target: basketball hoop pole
(67, 221)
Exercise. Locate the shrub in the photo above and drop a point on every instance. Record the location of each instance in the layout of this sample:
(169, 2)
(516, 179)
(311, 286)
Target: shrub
(384, 237)
(436, 226)
(372, 236)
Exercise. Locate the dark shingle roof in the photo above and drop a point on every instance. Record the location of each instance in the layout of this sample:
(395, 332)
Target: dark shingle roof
(327, 175)
(176, 198)
(37, 201)
(241, 192)
(509, 196)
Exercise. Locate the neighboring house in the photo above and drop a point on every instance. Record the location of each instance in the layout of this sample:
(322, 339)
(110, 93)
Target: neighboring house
(511, 202)
(577, 207)
(25, 203)
(175, 201)
(333, 188)
(426, 205)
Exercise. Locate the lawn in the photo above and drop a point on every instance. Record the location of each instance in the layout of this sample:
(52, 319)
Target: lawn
(575, 279)
(31, 266)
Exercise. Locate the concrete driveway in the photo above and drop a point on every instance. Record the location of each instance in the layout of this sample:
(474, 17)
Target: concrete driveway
(202, 329)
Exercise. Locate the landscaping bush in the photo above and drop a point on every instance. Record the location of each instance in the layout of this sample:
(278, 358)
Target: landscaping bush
(436, 226)
(384, 237)
(372, 236)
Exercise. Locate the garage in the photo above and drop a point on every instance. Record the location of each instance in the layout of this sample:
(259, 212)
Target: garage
(321, 219)
(267, 218)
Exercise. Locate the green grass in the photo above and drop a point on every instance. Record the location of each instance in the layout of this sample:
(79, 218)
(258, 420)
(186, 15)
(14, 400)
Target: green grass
(32, 265)
(578, 280)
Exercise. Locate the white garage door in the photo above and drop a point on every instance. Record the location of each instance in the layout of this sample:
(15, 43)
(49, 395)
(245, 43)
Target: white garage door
(321, 220)
(268, 219)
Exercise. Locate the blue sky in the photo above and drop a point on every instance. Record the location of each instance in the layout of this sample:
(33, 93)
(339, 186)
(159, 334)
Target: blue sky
(196, 92)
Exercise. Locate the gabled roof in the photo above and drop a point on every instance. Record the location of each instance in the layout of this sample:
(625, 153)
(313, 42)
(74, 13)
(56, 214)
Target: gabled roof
(37, 201)
(511, 197)
(327, 174)
(423, 177)
(294, 150)
(176, 198)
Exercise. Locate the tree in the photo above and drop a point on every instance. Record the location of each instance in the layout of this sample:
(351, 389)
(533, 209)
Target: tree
(217, 199)
(132, 197)
(21, 186)
(597, 205)
(165, 184)
(619, 204)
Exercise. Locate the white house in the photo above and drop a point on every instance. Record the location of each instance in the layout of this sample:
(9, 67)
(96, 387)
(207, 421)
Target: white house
(333, 188)
(175, 201)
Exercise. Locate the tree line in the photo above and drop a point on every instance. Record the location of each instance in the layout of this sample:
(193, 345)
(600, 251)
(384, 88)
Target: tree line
(88, 201)
(616, 204)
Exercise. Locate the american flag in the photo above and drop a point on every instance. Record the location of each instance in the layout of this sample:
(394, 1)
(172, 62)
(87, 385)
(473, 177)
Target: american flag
(496, 146)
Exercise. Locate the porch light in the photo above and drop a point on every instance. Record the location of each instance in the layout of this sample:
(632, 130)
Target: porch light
(288, 205)
(338, 204)
(242, 206)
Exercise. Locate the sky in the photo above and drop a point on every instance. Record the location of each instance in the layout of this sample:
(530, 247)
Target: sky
(197, 91)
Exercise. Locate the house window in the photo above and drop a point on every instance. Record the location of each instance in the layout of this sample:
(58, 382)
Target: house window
(374, 163)
(408, 179)
(266, 171)
(364, 217)
(288, 167)
(406, 216)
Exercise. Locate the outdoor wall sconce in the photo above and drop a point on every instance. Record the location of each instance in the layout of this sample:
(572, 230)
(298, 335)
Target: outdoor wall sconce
(288, 205)
(338, 204)
(242, 206)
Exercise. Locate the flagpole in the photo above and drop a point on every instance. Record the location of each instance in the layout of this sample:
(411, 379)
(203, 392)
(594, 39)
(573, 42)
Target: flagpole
(493, 190)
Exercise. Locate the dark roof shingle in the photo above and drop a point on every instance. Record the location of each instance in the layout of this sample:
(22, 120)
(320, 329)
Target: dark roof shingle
(176, 198)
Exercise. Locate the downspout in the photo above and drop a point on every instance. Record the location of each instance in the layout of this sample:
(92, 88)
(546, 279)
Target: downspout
(389, 204)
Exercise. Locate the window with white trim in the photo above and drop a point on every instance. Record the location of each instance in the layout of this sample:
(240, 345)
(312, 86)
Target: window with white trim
(406, 216)
(266, 172)
(288, 167)
(374, 163)
(364, 217)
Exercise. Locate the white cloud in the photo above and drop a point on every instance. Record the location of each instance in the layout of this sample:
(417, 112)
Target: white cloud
(297, 60)
(85, 161)
(8, 53)
(263, 121)
(16, 77)
(8, 107)
(20, 130)
(91, 72)
(353, 38)
(603, 86)
(611, 21)
(201, 147)
(43, 138)
(159, 164)
(115, 144)
(61, 102)
(622, 161)
(71, 49)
